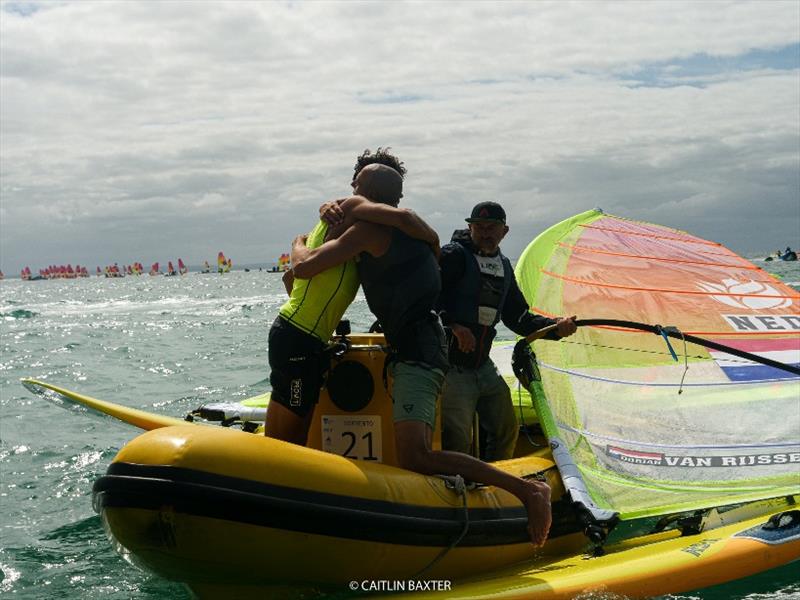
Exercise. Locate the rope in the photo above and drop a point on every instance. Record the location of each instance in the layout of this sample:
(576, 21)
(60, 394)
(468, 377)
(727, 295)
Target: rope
(665, 331)
(524, 427)
(685, 363)
(627, 349)
(460, 486)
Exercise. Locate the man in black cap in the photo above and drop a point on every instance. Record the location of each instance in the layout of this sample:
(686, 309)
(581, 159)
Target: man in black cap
(478, 291)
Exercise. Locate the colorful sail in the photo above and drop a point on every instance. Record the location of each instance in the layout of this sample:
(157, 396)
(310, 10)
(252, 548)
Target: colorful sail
(284, 262)
(223, 264)
(649, 434)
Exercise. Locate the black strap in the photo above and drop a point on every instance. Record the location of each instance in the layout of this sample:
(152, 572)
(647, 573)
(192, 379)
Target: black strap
(674, 333)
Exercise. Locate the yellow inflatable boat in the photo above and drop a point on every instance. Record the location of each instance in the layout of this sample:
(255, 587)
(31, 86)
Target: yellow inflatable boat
(211, 505)
(202, 504)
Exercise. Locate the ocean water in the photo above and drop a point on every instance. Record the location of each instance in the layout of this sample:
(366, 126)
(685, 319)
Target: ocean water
(162, 344)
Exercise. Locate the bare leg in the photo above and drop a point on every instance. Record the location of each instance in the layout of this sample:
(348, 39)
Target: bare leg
(283, 424)
(413, 444)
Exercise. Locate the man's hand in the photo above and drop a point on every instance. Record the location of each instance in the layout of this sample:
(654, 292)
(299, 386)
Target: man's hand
(539, 526)
(331, 212)
(298, 254)
(288, 281)
(464, 337)
(565, 326)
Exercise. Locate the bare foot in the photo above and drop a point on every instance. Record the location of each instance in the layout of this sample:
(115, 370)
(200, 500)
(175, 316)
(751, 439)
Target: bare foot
(540, 517)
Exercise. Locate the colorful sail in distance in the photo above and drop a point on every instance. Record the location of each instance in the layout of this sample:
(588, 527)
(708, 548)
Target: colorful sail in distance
(223, 264)
(284, 262)
(649, 436)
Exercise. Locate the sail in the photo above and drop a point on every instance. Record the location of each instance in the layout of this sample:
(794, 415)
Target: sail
(651, 435)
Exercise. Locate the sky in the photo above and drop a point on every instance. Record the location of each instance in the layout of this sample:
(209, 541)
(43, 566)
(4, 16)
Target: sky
(147, 131)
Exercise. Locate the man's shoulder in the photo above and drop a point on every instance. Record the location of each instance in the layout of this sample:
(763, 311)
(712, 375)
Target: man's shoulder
(453, 253)
(461, 236)
(370, 227)
(369, 237)
(456, 247)
(351, 202)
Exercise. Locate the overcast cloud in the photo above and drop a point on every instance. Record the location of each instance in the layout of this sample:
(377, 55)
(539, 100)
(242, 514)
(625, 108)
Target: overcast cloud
(152, 130)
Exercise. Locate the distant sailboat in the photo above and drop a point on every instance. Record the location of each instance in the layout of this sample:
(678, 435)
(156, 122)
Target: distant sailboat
(223, 264)
(283, 263)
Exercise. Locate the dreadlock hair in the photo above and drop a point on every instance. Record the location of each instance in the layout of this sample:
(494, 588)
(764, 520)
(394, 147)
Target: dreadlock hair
(381, 156)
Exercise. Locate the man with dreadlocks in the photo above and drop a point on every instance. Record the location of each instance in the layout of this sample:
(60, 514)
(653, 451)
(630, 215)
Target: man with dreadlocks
(333, 212)
(307, 320)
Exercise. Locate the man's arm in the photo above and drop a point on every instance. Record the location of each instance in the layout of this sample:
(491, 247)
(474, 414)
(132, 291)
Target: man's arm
(288, 281)
(452, 265)
(361, 237)
(521, 321)
(404, 219)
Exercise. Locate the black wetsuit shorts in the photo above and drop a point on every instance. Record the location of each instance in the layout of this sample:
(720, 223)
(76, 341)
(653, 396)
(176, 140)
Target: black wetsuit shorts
(297, 367)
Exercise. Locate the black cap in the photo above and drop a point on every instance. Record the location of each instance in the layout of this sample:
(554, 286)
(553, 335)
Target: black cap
(487, 211)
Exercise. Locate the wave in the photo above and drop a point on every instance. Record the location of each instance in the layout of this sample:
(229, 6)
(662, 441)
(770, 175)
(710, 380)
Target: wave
(79, 531)
(177, 305)
(19, 313)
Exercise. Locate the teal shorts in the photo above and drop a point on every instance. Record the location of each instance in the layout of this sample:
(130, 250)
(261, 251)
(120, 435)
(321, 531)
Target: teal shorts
(414, 392)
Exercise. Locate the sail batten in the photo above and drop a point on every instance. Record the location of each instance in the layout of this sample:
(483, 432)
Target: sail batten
(658, 258)
(648, 434)
(594, 283)
(652, 235)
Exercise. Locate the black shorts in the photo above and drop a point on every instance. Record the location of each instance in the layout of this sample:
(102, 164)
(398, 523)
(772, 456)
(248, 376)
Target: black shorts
(297, 367)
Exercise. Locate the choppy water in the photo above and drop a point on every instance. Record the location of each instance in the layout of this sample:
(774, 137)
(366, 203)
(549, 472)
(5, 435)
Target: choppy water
(163, 344)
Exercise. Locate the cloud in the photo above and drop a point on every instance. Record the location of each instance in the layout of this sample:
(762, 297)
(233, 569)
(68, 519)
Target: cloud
(146, 131)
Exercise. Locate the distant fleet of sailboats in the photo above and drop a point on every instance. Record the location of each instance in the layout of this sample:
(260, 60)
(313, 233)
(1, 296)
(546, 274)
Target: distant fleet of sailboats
(224, 265)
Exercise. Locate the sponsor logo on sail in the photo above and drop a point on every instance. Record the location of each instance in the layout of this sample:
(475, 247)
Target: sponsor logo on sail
(634, 456)
(751, 295)
(658, 459)
(763, 322)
